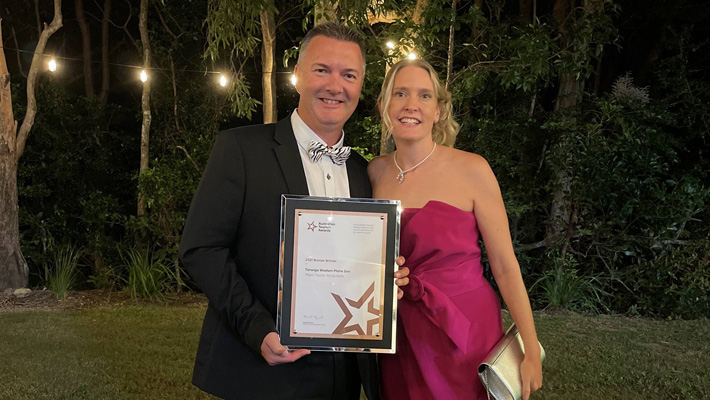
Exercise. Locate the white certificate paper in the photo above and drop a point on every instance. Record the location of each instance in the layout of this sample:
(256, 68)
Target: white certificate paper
(338, 274)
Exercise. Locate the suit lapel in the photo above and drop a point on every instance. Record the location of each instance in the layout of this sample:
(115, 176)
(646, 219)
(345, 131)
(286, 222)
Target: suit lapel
(289, 157)
(357, 178)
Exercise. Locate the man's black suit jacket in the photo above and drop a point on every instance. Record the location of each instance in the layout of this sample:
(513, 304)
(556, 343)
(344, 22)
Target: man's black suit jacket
(230, 247)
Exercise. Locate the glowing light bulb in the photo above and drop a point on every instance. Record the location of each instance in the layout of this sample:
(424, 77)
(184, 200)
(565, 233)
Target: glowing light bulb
(144, 76)
(412, 56)
(390, 45)
(52, 64)
(222, 80)
(293, 79)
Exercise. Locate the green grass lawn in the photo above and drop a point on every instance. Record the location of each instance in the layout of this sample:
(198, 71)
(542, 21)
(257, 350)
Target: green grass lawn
(620, 358)
(146, 352)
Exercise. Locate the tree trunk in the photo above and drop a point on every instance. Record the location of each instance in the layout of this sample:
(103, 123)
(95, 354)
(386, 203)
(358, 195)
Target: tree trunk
(325, 11)
(103, 96)
(525, 11)
(450, 58)
(419, 10)
(86, 46)
(33, 75)
(268, 62)
(176, 116)
(562, 212)
(476, 32)
(37, 18)
(13, 267)
(568, 94)
(17, 52)
(375, 17)
(567, 97)
(145, 100)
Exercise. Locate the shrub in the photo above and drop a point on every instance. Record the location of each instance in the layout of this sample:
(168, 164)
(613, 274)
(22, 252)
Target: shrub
(105, 277)
(62, 276)
(561, 287)
(677, 284)
(148, 274)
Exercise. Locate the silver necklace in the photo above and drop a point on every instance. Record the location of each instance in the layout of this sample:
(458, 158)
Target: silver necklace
(400, 175)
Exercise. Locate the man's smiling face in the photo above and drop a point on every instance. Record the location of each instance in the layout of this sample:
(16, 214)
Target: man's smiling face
(329, 79)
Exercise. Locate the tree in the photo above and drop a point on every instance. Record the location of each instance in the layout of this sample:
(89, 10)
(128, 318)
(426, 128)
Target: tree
(571, 83)
(86, 46)
(268, 61)
(234, 26)
(105, 21)
(325, 11)
(13, 267)
(525, 10)
(145, 100)
(450, 55)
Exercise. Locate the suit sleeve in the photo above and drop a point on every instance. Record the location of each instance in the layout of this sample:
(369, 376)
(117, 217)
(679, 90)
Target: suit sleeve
(210, 230)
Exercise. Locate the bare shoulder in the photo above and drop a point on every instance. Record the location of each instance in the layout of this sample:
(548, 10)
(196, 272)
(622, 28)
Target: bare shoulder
(471, 165)
(376, 166)
(479, 171)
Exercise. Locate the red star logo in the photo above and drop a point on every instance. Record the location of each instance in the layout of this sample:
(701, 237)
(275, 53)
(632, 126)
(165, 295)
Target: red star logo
(343, 327)
(311, 226)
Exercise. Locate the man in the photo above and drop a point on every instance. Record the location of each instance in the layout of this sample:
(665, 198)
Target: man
(230, 241)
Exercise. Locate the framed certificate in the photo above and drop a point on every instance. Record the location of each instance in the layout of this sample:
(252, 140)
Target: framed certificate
(336, 282)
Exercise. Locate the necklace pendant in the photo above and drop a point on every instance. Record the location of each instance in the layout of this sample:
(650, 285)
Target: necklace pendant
(400, 175)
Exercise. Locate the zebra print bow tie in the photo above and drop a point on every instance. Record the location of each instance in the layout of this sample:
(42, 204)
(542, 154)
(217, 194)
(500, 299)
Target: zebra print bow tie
(316, 150)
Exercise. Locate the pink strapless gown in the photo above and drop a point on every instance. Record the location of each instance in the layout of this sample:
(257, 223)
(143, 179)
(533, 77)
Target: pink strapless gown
(449, 317)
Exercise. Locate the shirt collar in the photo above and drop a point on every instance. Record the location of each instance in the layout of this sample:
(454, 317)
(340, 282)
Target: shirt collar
(304, 134)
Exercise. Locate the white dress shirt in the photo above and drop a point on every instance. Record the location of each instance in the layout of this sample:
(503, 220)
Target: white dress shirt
(324, 177)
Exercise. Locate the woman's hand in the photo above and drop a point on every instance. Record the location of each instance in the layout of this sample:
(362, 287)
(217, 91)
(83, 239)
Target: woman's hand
(531, 374)
(401, 277)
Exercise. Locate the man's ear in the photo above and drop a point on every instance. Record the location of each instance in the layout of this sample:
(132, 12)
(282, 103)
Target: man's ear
(296, 72)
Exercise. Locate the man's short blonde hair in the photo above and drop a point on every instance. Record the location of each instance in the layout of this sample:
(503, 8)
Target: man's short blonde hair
(333, 31)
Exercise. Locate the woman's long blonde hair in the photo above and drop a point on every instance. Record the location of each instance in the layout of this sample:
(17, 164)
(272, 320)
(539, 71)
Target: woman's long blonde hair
(445, 129)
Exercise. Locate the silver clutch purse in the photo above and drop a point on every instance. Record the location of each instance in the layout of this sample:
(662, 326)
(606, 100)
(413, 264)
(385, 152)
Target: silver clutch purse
(500, 370)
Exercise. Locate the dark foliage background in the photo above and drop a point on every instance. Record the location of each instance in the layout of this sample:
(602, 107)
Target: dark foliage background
(627, 162)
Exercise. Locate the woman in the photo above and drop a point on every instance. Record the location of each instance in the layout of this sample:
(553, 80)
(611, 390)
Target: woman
(450, 316)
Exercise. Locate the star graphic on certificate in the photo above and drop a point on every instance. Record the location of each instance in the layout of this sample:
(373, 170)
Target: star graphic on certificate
(356, 310)
(311, 226)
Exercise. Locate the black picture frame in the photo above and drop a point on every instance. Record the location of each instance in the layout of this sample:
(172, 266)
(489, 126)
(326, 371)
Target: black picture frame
(385, 341)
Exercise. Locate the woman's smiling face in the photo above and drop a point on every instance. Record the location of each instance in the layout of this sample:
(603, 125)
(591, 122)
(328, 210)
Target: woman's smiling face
(413, 107)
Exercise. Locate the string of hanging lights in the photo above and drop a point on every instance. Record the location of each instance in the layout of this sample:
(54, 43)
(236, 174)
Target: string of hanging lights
(143, 74)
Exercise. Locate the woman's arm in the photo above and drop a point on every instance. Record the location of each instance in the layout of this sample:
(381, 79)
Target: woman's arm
(492, 220)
